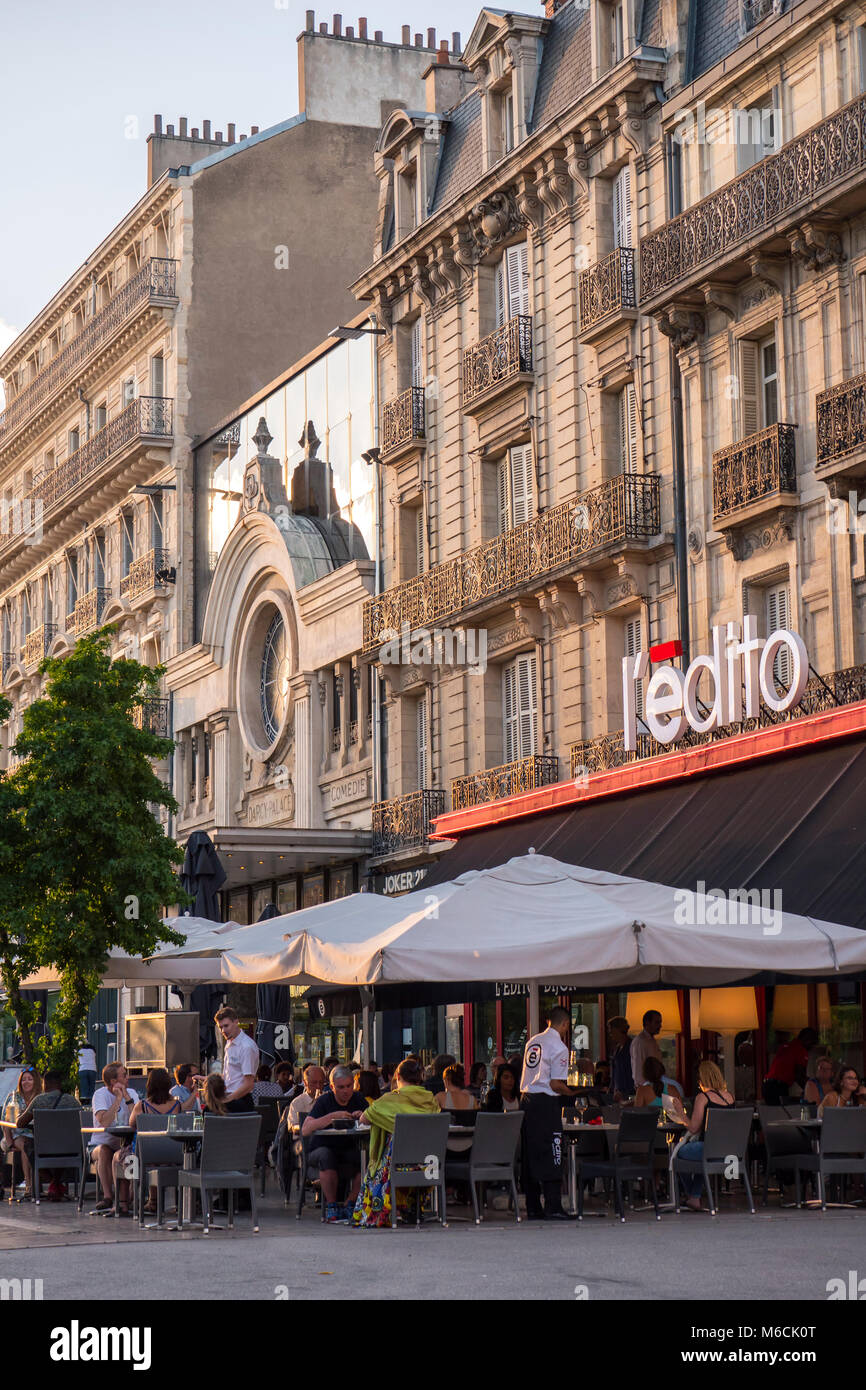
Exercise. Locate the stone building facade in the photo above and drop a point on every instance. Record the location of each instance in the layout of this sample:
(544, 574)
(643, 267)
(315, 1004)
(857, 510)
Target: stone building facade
(620, 257)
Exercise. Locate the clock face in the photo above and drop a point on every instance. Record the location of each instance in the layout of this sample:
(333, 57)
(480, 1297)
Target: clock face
(274, 678)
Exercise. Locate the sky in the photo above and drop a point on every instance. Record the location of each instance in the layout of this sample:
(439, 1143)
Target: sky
(79, 86)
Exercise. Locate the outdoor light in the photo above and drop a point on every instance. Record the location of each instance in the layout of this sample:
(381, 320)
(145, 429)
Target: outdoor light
(728, 1012)
(341, 331)
(791, 1007)
(664, 1001)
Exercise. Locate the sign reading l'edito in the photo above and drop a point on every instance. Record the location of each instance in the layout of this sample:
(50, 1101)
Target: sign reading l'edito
(740, 670)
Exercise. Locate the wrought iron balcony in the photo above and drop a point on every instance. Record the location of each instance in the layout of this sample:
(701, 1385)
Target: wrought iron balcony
(606, 288)
(147, 417)
(841, 419)
(760, 468)
(156, 281)
(822, 693)
(153, 715)
(404, 822)
(37, 642)
(403, 421)
(88, 610)
(497, 359)
(757, 204)
(756, 10)
(497, 782)
(150, 571)
(627, 508)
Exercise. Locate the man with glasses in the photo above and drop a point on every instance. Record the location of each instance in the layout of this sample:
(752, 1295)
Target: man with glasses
(334, 1156)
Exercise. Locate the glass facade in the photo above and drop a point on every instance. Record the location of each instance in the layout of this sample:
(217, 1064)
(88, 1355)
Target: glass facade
(335, 393)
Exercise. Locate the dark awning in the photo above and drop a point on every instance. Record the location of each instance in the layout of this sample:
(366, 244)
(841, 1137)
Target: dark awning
(796, 824)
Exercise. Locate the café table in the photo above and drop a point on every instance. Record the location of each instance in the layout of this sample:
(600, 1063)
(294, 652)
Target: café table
(815, 1126)
(190, 1139)
(572, 1133)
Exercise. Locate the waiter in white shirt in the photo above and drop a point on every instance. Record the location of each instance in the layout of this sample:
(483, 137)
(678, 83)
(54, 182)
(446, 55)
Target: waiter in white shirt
(240, 1062)
(542, 1086)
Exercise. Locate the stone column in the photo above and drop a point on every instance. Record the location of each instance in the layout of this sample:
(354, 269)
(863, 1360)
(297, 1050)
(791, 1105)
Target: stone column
(307, 754)
(221, 778)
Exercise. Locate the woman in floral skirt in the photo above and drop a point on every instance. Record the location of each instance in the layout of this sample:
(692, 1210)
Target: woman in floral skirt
(410, 1097)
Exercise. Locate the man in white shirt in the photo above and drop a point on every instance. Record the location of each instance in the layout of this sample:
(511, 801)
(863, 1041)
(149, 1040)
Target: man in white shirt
(644, 1045)
(314, 1084)
(240, 1062)
(543, 1084)
(112, 1103)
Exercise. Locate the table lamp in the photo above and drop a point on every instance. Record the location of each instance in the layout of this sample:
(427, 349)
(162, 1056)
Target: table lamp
(728, 1012)
(664, 1001)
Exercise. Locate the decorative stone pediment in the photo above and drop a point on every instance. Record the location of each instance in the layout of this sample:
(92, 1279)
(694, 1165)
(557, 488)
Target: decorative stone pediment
(494, 220)
(682, 323)
(264, 489)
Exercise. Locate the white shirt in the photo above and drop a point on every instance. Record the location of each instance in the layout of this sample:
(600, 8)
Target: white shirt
(544, 1060)
(103, 1099)
(86, 1059)
(240, 1059)
(643, 1045)
(300, 1106)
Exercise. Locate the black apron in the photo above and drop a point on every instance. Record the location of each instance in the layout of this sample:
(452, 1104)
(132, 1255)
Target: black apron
(542, 1134)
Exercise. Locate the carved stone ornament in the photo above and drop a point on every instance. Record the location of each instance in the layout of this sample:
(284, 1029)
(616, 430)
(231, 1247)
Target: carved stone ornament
(744, 543)
(695, 541)
(682, 325)
(264, 487)
(816, 246)
(493, 220)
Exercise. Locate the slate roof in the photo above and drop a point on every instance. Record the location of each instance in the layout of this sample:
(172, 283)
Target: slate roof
(460, 166)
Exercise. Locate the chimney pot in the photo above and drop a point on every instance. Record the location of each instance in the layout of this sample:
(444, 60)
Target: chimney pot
(378, 36)
(231, 130)
(362, 28)
(219, 137)
(254, 130)
(242, 137)
(311, 21)
(350, 31)
(442, 55)
(338, 25)
(169, 130)
(157, 125)
(431, 38)
(323, 28)
(195, 132)
(182, 128)
(455, 43)
(419, 40)
(406, 35)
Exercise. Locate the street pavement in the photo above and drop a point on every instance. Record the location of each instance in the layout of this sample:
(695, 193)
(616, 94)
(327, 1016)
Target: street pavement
(777, 1254)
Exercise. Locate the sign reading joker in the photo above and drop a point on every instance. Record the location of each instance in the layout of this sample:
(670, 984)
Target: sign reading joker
(740, 672)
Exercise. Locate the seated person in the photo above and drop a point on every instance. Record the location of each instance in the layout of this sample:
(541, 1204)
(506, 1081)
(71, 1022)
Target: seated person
(367, 1084)
(51, 1097)
(112, 1104)
(158, 1100)
(284, 1075)
(184, 1081)
(334, 1156)
(653, 1087)
(504, 1094)
(21, 1140)
(214, 1097)
(846, 1083)
(713, 1095)
(821, 1084)
(265, 1088)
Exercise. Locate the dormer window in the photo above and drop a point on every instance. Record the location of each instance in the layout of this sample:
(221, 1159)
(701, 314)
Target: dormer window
(617, 32)
(407, 202)
(612, 34)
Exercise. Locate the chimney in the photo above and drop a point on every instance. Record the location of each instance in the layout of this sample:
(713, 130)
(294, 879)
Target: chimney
(205, 130)
(445, 82)
(362, 28)
(157, 125)
(378, 36)
(231, 130)
(337, 25)
(455, 43)
(431, 38)
(551, 6)
(310, 25)
(182, 132)
(405, 36)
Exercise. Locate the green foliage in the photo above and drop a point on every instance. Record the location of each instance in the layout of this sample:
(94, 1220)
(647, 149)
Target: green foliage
(96, 868)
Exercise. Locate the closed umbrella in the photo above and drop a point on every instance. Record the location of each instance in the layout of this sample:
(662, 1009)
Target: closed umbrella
(273, 1011)
(202, 876)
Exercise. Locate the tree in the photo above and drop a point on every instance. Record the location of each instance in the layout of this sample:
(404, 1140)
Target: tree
(99, 867)
(17, 952)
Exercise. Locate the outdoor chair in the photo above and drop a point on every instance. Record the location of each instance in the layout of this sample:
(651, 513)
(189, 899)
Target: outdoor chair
(269, 1111)
(491, 1158)
(159, 1162)
(418, 1158)
(308, 1173)
(57, 1144)
(783, 1146)
(632, 1159)
(842, 1149)
(726, 1138)
(611, 1114)
(228, 1156)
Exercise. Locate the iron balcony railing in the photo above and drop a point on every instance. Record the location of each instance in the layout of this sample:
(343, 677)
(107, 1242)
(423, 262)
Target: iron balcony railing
(497, 358)
(152, 715)
(760, 467)
(37, 642)
(606, 288)
(627, 508)
(155, 280)
(790, 180)
(403, 420)
(496, 782)
(756, 10)
(404, 822)
(822, 693)
(841, 420)
(88, 610)
(148, 417)
(145, 573)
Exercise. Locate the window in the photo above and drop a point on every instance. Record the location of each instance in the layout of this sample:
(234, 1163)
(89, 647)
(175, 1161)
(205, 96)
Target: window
(71, 582)
(419, 541)
(520, 708)
(100, 417)
(632, 647)
(421, 741)
(407, 196)
(73, 441)
(861, 55)
(156, 521)
(157, 376)
(779, 616)
(617, 32)
(99, 560)
(622, 225)
(336, 697)
(48, 462)
(514, 488)
(129, 391)
(757, 132)
(628, 429)
(512, 284)
(759, 386)
(127, 542)
(416, 353)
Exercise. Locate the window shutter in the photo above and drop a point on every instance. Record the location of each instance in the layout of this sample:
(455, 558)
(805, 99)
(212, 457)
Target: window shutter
(419, 541)
(632, 647)
(748, 389)
(516, 262)
(628, 429)
(779, 616)
(503, 499)
(499, 292)
(521, 484)
(622, 207)
(510, 720)
(527, 705)
(421, 740)
(416, 354)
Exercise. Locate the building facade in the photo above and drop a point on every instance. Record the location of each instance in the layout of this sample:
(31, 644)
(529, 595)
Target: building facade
(621, 259)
